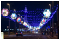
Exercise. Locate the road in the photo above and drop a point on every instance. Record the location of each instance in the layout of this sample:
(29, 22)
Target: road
(30, 36)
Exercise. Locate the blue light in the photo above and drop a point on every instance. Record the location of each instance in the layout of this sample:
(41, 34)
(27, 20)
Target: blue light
(47, 19)
(48, 26)
(13, 16)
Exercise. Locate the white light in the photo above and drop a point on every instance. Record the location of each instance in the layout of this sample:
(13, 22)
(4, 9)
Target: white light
(36, 32)
(51, 27)
(5, 12)
(13, 15)
(33, 29)
(14, 10)
(36, 28)
(8, 4)
(50, 4)
(5, 29)
(47, 13)
(41, 24)
(11, 29)
(30, 27)
(24, 23)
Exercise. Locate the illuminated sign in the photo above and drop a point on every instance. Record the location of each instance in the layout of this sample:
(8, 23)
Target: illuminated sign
(18, 19)
(47, 13)
(13, 16)
(5, 12)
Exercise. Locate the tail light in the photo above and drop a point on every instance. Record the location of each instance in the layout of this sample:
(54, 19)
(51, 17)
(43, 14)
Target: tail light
(16, 33)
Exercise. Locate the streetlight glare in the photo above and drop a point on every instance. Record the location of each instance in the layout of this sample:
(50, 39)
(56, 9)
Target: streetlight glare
(50, 4)
(14, 10)
(8, 4)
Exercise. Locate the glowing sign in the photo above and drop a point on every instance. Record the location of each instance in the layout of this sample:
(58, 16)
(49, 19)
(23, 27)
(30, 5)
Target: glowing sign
(5, 12)
(13, 16)
(47, 13)
(43, 20)
(18, 19)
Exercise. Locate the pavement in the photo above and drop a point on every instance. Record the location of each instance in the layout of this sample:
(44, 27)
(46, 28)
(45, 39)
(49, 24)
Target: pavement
(30, 36)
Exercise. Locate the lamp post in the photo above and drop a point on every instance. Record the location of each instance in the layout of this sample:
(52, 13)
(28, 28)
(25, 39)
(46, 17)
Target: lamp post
(9, 19)
(50, 10)
(19, 24)
(50, 6)
(15, 22)
(14, 10)
(8, 5)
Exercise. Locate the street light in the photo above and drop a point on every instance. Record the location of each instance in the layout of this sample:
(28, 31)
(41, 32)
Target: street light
(8, 5)
(50, 6)
(9, 19)
(50, 10)
(14, 10)
(15, 22)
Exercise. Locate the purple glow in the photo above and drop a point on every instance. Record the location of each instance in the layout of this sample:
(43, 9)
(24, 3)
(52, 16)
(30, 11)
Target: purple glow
(35, 13)
(25, 9)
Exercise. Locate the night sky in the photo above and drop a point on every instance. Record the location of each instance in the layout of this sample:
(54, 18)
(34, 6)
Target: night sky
(20, 5)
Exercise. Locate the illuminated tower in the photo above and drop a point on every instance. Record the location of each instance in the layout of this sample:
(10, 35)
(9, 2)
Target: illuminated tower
(25, 14)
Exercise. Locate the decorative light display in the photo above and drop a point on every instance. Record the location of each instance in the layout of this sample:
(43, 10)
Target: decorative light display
(13, 16)
(46, 13)
(47, 16)
(30, 27)
(25, 23)
(43, 21)
(41, 24)
(5, 12)
(19, 20)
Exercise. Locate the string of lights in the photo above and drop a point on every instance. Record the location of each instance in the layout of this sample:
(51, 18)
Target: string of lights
(45, 19)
